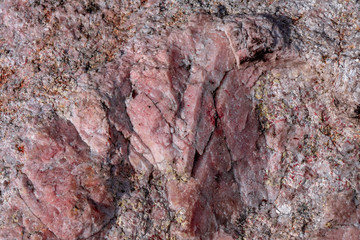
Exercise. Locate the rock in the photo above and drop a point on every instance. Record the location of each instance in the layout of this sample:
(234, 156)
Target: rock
(204, 132)
(179, 120)
(61, 184)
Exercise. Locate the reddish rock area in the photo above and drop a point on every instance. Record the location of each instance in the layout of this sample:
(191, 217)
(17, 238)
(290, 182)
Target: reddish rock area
(187, 113)
(193, 117)
(134, 122)
(62, 185)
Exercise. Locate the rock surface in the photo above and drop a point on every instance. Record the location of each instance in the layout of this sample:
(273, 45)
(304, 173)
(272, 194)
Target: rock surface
(179, 120)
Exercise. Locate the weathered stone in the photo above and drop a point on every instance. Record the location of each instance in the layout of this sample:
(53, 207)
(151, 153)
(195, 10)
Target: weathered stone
(61, 183)
(179, 119)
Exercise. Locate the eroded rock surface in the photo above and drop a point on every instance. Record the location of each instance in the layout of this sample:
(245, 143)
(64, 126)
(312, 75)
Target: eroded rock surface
(157, 120)
(192, 111)
(61, 184)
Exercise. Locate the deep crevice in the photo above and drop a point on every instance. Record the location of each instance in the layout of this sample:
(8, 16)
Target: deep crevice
(284, 25)
(258, 56)
(195, 164)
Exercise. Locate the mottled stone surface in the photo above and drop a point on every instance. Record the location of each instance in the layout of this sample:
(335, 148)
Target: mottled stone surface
(62, 184)
(179, 119)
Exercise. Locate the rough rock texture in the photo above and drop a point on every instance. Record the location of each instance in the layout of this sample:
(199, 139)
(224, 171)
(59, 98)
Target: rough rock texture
(179, 119)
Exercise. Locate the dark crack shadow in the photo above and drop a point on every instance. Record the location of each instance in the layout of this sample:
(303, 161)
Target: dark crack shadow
(284, 24)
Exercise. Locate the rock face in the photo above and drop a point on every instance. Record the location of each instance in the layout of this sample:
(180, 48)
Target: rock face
(193, 119)
(147, 120)
(61, 183)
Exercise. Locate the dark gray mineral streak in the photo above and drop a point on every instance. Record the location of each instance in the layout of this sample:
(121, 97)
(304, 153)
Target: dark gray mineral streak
(179, 119)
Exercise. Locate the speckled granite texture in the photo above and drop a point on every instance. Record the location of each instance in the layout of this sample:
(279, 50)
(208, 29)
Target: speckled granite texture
(179, 119)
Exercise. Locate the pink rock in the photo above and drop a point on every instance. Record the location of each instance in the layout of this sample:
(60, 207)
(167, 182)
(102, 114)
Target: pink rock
(199, 122)
(221, 235)
(61, 184)
(206, 122)
(177, 108)
(90, 121)
(154, 131)
(341, 209)
(147, 120)
(348, 233)
(276, 135)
